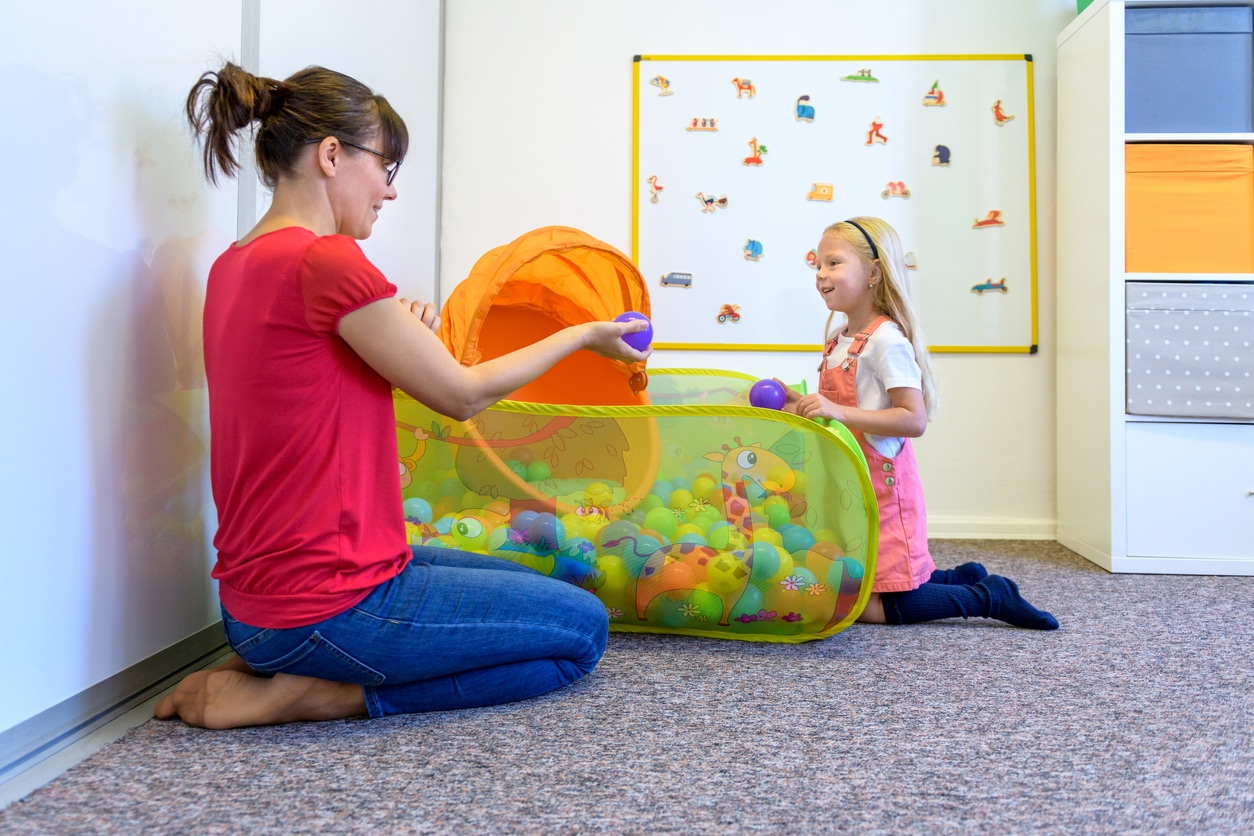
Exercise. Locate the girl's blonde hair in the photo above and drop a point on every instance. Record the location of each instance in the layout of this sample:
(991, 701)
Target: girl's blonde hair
(892, 295)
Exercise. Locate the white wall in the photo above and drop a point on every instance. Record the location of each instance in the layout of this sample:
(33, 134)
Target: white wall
(537, 131)
(107, 232)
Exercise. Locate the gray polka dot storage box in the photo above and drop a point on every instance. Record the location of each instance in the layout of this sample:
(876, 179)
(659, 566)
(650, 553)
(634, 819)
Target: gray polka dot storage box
(1190, 349)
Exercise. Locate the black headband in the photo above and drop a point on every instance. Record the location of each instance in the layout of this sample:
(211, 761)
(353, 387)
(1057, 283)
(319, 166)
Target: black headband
(874, 252)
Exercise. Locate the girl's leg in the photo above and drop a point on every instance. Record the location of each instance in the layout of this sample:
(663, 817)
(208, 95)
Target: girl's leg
(993, 597)
(961, 575)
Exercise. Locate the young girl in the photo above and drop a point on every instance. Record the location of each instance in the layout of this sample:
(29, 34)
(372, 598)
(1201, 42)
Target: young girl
(876, 379)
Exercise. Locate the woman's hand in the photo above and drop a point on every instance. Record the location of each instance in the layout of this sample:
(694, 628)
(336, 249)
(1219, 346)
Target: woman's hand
(606, 339)
(428, 314)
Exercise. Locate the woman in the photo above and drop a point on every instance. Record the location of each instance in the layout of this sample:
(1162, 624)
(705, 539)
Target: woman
(330, 612)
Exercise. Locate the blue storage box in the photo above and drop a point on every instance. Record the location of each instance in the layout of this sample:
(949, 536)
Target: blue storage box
(1189, 70)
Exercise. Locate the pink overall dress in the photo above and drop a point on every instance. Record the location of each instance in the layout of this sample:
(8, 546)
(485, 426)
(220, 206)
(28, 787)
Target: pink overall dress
(903, 561)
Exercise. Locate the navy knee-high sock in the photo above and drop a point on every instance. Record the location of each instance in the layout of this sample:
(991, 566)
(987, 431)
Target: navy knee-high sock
(961, 575)
(993, 597)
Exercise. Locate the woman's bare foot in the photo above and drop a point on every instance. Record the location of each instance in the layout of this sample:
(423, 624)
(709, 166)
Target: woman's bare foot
(228, 699)
(235, 663)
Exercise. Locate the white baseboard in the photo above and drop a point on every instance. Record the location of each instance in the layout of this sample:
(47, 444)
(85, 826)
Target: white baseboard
(50, 731)
(991, 528)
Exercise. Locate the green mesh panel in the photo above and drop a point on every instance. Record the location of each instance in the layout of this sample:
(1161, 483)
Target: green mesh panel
(694, 515)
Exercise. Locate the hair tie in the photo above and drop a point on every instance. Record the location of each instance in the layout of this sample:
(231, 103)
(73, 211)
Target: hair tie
(875, 254)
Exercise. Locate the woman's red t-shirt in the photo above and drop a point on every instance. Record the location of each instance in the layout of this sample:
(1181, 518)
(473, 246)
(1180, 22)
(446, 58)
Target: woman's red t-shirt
(303, 450)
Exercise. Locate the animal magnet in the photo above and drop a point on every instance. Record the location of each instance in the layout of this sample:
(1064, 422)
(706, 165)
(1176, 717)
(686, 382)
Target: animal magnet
(940, 155)
(663, 84)
(744, 85)
(710, 203)
(1000, 116)
(993, 218)
(753, 250)
(655, 188)
(755, 152)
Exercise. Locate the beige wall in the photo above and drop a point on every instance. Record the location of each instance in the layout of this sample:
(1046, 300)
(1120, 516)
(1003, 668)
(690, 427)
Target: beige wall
(537, 131)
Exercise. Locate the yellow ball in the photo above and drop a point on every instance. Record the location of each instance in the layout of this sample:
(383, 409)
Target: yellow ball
(703, 487)
(726, 573)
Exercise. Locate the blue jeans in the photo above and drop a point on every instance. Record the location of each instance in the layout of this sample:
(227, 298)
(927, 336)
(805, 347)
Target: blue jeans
(453, 630)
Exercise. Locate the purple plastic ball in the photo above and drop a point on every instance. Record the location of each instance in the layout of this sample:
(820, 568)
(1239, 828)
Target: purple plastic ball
(639, 340)
(767, 394)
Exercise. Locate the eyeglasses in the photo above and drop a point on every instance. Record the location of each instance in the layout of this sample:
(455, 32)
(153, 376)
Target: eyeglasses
(391, 168)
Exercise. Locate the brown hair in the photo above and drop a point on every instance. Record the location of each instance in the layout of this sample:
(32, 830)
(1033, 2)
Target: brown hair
(311, 104)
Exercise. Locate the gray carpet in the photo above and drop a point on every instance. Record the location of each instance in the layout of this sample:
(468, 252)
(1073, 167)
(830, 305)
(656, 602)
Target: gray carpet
(1136, 717)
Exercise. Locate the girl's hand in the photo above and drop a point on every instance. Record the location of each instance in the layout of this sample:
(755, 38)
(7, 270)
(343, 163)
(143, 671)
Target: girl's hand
(815, 405)
(791, 396)
(427, 313)
(606, 339)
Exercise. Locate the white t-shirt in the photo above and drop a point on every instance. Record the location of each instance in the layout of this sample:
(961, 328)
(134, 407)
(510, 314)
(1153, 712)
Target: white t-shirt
(887, 362)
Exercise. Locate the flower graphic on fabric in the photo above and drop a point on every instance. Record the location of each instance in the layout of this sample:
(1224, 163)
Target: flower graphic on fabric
(816, 589)
(793, 583)
(698, 503)
(793, 616)
(614, 612)
(689, 610)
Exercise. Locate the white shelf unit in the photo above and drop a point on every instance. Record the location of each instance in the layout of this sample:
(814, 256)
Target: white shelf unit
(1135, 493)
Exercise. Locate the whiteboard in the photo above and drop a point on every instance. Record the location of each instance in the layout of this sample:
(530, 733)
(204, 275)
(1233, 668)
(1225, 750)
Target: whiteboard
(740, 162)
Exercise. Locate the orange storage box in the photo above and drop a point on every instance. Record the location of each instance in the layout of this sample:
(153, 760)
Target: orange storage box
(1189, 208)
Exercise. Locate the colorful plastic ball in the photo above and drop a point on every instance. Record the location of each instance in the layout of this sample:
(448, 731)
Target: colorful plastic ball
(546, 532)
(598, 493)
(417, 510)
(662, 521)
(538, 472)
(767, 394)
(444, 525)
(662, 489)
(777, 516)
(650, 502)
(796, 538)
(749, 603)
(765, 561)
(470, 533)
(609, 536)
(638, 340)
(615, 581)
(703, 487)
(725, 572)
(497, 539)
(723, 536)
(523, 519)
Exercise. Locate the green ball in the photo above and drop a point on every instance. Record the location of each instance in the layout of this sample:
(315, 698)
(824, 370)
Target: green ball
(662, 521)
(777, 516)
(538, 472)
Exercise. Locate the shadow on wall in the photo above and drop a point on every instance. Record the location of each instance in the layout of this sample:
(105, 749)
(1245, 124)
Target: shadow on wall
(109, 429)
